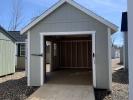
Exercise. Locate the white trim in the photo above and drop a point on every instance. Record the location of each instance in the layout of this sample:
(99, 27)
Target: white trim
(92, 14)
(124, 51)
(109, 58)
(20, 42)
(28, 58)
(16, 51)
(42, 16)
(94, 60)
(66, 34)
(42, 59)
(20, 51)
(15, 57)
(73, 3)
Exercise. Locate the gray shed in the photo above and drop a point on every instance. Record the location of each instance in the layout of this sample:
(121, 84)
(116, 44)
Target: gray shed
(7, 53)
(20, 48)
(80, 39)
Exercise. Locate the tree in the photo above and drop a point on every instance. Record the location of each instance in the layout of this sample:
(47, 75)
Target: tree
(36, 14)
(16, 15)
(113, 41)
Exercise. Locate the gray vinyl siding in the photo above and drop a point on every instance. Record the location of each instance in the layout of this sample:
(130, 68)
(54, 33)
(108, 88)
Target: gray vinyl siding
(67, 19)
(7, 55)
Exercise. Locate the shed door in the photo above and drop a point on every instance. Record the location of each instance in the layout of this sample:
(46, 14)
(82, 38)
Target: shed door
(76, 54)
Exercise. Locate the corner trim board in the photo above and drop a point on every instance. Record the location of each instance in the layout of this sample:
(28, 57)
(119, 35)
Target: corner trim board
(94, 60)
(109, 58)
(42, 59)
(28, 58)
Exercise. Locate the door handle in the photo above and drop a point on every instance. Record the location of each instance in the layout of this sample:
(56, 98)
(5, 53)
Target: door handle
(93, 55)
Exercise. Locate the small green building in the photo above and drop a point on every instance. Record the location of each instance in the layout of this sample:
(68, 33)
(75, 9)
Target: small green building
(7, 53)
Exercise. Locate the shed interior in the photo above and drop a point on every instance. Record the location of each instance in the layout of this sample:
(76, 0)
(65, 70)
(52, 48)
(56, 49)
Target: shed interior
(68, 55)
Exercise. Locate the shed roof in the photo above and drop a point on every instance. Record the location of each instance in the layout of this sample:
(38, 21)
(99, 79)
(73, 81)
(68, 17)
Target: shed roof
(124, 22)
(73, 3)
(18, 37)
(2, 30)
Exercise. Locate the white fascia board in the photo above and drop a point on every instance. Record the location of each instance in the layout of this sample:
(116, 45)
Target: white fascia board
(20, 42)
(92, 14)
(46, 13)
(73, 3)
(28, 60)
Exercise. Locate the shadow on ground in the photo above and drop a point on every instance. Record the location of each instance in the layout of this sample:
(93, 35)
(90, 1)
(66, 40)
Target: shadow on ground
(16, 89)
(120, 76)
(100, 94)
(120, 63)
(19, 70)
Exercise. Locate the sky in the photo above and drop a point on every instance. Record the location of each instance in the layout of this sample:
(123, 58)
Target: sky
(108, 9)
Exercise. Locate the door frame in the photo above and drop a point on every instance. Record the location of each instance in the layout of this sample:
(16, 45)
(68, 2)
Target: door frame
(42, 51)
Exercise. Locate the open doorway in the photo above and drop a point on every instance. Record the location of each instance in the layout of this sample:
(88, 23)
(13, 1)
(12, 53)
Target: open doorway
(71, 59)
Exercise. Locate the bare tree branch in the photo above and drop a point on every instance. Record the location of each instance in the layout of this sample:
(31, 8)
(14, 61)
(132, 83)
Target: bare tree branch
(36, 14)
(16, 15)
(113, 41)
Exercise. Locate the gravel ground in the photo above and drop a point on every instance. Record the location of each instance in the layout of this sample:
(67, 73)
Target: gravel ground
(119, 85)
(14, 87)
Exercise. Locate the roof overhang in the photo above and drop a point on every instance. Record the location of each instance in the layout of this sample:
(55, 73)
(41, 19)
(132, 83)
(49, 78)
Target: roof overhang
(124, 22)
(73, 3)
(7, 34)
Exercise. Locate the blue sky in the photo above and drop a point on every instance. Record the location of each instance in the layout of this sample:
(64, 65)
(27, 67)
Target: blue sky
(109, 9)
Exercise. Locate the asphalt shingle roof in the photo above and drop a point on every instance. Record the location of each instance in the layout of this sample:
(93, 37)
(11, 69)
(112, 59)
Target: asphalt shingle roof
(18, 37)
(2, 30)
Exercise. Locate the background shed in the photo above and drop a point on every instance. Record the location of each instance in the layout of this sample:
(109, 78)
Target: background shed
(20, 49)
(7, 53)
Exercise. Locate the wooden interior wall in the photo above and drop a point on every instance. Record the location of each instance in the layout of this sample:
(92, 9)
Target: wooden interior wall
(75, 53)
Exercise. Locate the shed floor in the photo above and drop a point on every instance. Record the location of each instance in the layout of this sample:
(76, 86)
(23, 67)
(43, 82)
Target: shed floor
(66, 84)
(70, 77)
